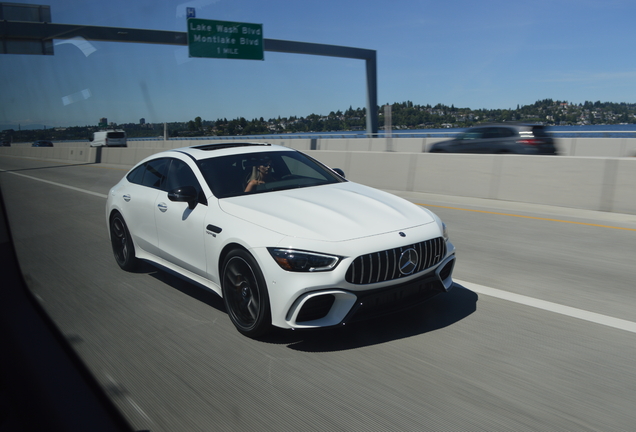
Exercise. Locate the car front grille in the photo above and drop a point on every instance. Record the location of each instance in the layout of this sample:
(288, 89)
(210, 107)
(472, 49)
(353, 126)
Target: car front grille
(385, 265)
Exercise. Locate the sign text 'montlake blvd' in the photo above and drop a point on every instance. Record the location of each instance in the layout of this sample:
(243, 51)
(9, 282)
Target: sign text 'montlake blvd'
(223, 39)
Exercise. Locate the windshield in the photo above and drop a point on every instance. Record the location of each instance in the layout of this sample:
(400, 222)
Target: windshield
(260, 172)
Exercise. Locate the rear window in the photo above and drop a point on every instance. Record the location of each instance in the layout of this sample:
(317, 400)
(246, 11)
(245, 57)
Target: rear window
(116, 135)
(539, 131)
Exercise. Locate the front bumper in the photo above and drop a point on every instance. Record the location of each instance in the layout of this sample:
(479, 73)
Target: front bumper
(333, 307)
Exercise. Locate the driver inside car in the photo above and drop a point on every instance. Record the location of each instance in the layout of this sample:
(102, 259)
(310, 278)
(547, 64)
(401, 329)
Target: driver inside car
(261, 173)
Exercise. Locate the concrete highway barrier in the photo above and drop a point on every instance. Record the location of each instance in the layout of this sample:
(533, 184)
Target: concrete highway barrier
(603, 184)
(576, 146)
(588, 181)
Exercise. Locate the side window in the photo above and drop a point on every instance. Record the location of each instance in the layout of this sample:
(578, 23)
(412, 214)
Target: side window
(226, 176)
(475, 134)
(180, 175)
(137, 175)
(539, 132)
(507, 132)
(492, 133)
(155, 173)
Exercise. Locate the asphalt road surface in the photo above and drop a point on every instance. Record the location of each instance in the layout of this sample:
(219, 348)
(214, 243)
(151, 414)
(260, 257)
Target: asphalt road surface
(537, 334)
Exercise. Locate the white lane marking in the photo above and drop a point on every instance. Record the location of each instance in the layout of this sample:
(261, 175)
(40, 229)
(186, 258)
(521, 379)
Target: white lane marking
(58, 184)
(551, 307)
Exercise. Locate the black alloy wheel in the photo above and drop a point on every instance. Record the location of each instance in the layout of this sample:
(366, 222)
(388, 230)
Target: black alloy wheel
(245, 294)
(123, 247)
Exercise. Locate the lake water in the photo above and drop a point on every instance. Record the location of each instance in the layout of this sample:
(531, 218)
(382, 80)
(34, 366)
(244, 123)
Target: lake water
(589, 131)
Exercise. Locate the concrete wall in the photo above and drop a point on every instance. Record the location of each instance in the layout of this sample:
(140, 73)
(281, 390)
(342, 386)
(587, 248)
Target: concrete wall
(593, 147)
(603, 147)
(61, 153)
(603, 184)
(592, 183)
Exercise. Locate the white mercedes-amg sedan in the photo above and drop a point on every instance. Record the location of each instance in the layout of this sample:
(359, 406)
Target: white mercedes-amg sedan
(285, 240)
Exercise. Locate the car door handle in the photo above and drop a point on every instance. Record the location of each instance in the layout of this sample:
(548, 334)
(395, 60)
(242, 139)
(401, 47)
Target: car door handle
(126, 197)
(163, 207)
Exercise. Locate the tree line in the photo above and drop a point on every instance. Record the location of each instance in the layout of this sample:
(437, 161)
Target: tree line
(404, 115)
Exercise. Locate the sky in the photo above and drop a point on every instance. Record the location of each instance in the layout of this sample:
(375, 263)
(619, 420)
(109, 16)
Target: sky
(475, 54)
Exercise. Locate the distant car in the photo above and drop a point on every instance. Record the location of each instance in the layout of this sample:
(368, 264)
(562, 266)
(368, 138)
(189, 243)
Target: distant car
(285, 240)
(42, 143)
(109, 138)
(6, 143)
(504, 138)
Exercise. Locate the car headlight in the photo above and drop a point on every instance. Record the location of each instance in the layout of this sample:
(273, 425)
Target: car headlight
(444, 231)
(303, 261)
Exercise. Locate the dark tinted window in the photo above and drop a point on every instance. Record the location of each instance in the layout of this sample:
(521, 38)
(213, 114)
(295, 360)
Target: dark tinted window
(229, 175)
(116, 135)
(472, 134)
(155, 173)
(137, 175)
(539, 131)
(491, 133)
(181, 175)
(506, 132)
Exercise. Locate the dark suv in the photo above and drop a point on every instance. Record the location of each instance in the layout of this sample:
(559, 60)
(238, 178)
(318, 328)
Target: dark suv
(500, 138)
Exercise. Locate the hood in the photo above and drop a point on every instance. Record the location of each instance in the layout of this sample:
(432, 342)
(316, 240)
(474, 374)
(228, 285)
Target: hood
(336, 212)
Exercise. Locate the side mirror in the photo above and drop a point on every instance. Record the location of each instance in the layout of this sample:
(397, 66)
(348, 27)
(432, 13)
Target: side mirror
(339, 172)
(185, 194)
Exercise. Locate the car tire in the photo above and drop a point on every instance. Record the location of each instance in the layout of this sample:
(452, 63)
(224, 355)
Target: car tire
(245, 294)
(123, 247)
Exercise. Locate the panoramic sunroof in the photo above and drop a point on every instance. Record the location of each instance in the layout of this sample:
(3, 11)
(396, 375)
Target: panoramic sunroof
(227, 145)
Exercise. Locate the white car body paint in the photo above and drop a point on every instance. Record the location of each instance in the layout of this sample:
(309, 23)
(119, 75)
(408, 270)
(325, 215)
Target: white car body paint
(343, 219)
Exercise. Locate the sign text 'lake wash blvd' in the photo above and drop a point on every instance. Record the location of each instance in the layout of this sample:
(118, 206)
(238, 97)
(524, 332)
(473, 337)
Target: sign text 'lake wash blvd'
(222, 39)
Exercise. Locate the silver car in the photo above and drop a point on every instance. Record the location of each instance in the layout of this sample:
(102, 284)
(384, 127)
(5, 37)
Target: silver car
(500, 138)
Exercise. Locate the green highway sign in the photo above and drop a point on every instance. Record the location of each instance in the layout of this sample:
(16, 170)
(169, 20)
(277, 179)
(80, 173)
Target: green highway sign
(223, 39)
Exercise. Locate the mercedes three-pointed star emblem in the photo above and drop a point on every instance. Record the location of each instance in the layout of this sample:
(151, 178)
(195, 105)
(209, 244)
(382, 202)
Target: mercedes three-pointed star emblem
(408, 261)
